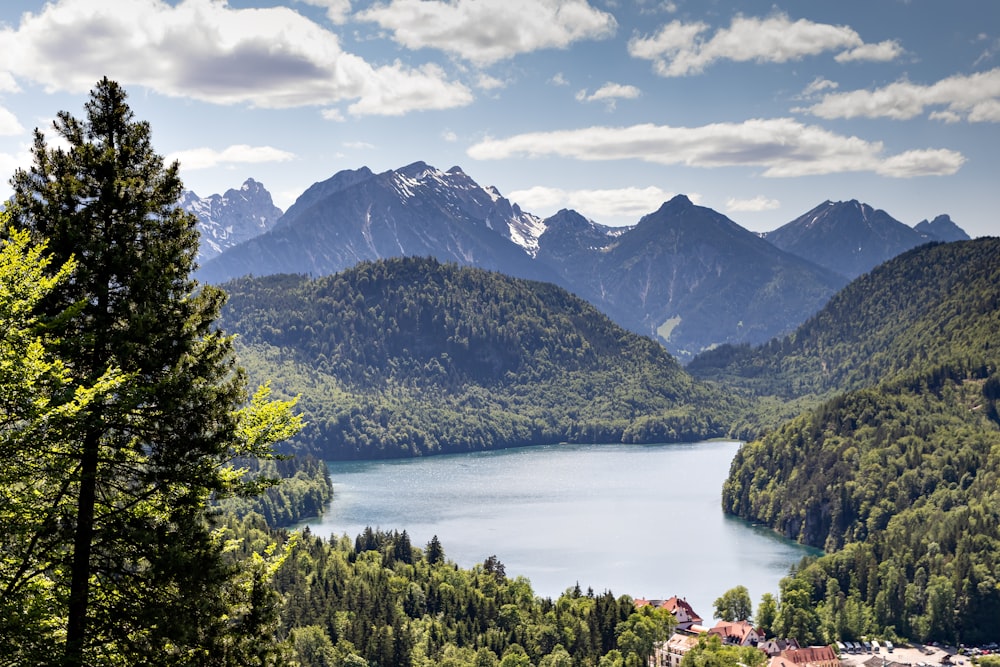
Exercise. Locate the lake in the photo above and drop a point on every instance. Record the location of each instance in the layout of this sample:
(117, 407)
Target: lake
(642, 520)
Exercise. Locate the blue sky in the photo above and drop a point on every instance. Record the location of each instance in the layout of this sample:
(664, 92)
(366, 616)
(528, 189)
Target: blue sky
(760, 110)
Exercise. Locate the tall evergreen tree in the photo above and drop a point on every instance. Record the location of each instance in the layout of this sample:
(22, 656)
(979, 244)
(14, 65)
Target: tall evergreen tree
(144, 574)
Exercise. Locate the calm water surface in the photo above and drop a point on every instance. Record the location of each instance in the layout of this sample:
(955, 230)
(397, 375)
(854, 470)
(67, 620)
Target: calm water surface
(645, 520)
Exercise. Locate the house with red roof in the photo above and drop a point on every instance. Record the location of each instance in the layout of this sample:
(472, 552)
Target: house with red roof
(679, 607)
(737, 633)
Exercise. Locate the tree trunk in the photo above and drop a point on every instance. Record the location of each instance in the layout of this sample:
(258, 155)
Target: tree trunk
(79, 595)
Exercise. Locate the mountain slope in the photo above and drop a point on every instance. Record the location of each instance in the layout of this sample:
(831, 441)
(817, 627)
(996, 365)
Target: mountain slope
(684, 274)
(847, 237)
(408, 356)
(936, 302)
(232, 218)
(899, 477)
(414, 211)
(689, 275)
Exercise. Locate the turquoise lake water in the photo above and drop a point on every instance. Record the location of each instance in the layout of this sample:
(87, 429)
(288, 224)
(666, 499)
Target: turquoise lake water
(645, 520)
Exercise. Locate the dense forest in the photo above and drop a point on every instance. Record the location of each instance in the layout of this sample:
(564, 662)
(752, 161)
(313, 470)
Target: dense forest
(377, 599)
(302, 490)
(410, 356)
(898, 480)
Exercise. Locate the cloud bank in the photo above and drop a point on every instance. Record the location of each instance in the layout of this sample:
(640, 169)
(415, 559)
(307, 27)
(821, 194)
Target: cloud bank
(269, 57)
(972, 97)
(601, 205)
(783, 147)
(679, 49)
(487, 31)
(205, 158)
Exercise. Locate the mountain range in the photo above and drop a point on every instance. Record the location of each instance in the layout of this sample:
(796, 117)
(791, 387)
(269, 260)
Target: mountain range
(685, 275)
(852, 238)
(229, 219)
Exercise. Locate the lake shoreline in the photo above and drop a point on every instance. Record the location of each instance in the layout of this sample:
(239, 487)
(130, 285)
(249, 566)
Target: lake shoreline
(637, 519)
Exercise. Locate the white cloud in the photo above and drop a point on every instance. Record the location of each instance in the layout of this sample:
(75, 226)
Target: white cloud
(783, 147)
(205, 158)
(9, 125)
(609, 93)
(679, 49)
(987, 111)
(881, 52)
(754, 204)
(920, 163)
(486, 82)
(449, 136)
(559, 80)
(399, 90)
(285, 198)
(628, 204)
(8, 84)
(9, 163)
(269, 57)
(334, 114)
(336, 10)
(486, 31)
(818, 85)
(975, 97)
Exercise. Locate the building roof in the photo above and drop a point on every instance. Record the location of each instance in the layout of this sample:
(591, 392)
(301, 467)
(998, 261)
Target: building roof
(675, 603)
(738, 630)
(681, 642)
(811, 655)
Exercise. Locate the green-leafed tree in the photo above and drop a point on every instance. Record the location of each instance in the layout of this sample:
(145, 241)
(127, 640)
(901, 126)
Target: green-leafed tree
(734, 605)
(711, 652)
(37, 407)
(140, 576)
(767, 613)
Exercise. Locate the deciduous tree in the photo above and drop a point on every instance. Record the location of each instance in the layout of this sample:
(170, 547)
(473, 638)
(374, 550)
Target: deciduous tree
(734, 605)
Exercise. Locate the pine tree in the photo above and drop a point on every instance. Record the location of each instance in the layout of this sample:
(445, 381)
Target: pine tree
(144, 575)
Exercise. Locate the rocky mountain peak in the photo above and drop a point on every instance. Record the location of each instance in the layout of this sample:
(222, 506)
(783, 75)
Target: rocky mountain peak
(229, 219)
(941, 228)
(849, 237)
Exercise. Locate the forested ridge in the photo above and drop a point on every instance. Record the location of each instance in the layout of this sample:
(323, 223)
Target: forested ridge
(410, 356)
(933, 306)
(896, 478)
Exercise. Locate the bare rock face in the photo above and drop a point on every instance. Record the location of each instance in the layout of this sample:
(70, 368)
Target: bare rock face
(232, 218)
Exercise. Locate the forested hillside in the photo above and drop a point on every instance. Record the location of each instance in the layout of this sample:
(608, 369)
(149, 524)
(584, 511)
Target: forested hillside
(934, 306)
(898, 477)
(410, 356)
(380, 600)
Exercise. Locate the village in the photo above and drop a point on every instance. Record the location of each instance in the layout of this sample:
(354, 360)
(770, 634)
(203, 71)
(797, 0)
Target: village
(787, 652)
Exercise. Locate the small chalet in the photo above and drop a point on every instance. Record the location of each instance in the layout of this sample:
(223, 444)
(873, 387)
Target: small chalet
(737, 633)
(682, 611)
(811, 656)
(679, 607)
